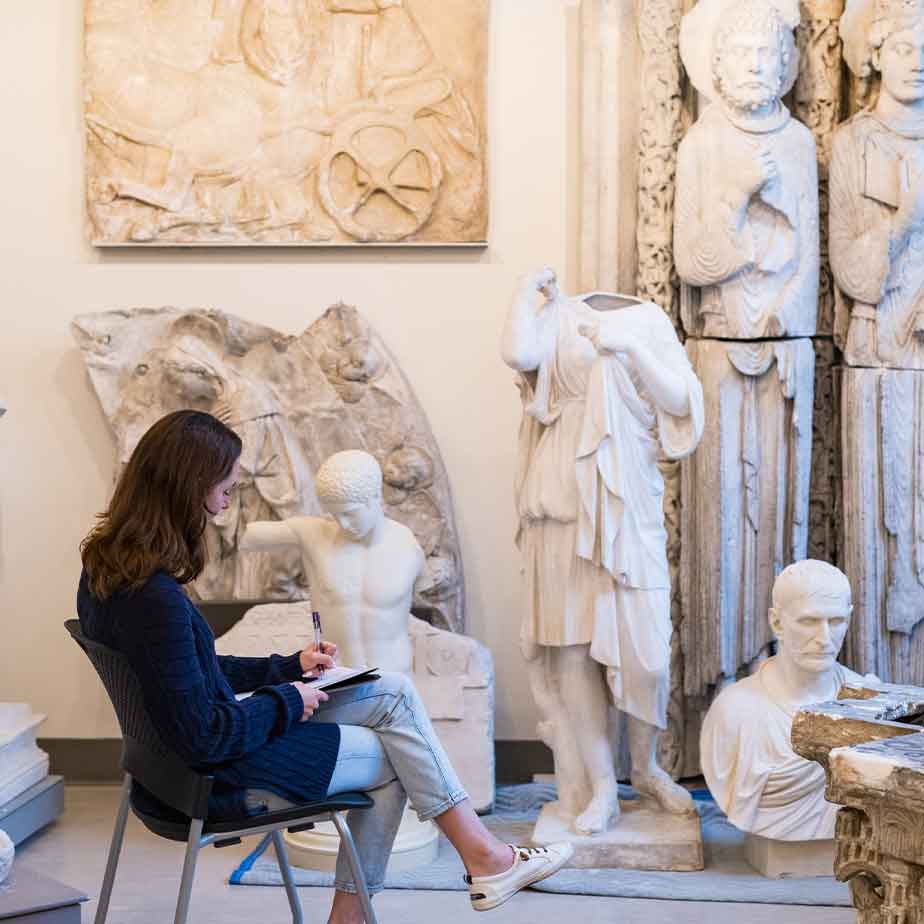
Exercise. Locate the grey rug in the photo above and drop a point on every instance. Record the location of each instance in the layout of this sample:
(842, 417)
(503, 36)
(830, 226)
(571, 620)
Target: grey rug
(727, 877)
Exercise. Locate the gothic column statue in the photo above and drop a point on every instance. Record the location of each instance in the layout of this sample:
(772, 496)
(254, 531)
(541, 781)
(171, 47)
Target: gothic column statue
(746, 239)
(877, 257)
(607, 389)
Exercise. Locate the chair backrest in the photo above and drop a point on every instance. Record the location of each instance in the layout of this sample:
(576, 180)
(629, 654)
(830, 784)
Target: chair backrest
(144, 755)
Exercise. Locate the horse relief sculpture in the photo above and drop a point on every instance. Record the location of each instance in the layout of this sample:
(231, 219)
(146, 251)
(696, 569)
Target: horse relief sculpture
(294, 401)
(286, 121)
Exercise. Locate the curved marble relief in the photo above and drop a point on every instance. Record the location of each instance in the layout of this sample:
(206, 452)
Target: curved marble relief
(286, 121)
(294, 400)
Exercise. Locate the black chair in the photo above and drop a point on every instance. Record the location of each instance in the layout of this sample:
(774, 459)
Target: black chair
(185, 794)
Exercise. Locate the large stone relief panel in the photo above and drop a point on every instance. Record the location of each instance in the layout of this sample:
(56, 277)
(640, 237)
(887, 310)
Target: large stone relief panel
(294, 400)
(286, 121)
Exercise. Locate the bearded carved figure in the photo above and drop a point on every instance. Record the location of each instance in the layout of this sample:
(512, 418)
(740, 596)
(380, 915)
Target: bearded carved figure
(746, 238)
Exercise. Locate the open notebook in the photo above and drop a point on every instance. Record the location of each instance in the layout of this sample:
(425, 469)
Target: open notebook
(337, 678)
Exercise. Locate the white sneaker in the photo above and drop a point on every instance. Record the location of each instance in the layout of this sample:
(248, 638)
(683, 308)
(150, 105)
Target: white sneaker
(530, 864)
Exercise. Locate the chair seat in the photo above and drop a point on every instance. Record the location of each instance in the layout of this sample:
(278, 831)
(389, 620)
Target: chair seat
(175, 827)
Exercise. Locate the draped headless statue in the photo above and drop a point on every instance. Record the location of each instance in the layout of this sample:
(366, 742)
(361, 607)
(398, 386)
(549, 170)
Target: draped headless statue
(606, 389)
(877, 258)
(746, 241)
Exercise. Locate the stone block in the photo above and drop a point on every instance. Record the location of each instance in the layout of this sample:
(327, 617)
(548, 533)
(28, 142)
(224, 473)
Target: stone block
(790, 859)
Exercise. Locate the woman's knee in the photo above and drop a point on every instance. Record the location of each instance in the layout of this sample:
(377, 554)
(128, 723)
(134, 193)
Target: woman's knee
(398, 684)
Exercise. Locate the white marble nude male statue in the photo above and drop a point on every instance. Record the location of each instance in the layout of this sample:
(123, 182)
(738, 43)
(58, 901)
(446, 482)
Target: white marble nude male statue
(757, 779)
(606, 389)
(746, 241)
(361, 565)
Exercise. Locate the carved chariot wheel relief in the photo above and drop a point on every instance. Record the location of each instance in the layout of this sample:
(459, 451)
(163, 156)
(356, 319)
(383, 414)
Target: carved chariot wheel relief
(380, 155)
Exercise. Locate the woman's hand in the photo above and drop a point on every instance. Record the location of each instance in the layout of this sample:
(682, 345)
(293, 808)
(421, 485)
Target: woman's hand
(311, 699)
(311, 659)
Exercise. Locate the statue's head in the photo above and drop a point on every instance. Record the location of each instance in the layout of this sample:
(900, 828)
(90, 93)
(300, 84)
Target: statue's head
(349, 486)
(810, 613)
(753, 56)
(887, 36)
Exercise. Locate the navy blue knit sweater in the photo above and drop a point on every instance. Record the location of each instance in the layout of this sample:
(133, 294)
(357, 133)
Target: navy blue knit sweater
(257, 743)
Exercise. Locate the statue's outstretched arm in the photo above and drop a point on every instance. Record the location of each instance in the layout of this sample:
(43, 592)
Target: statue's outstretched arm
(267, 535)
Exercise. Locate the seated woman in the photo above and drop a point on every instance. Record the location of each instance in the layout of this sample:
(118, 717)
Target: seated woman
(288, 743)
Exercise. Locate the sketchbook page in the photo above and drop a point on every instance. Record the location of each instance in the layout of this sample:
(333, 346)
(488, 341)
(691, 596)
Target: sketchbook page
(337, 675)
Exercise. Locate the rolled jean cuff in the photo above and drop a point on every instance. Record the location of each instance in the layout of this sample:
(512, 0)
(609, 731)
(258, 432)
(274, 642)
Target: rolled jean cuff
(350, 887)
(454, 799)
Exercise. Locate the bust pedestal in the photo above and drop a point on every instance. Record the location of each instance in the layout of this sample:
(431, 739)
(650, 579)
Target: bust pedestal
(790, 859)
(416, 844)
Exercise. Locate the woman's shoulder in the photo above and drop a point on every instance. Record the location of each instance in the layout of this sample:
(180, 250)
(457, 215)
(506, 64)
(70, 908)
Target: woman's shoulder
(160, 588)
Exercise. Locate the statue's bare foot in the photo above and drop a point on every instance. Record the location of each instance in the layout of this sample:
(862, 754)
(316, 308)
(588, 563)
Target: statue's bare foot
(659, 786)
(600, 814)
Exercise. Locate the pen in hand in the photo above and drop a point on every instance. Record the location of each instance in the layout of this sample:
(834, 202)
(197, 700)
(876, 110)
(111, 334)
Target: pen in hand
(316, 619)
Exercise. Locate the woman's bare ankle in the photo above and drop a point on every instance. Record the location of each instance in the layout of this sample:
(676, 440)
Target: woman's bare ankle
(490, 860)
(347, 909)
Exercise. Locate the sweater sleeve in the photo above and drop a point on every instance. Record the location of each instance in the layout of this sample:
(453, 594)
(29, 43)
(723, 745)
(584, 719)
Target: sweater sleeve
(246, 674)
(202, 729)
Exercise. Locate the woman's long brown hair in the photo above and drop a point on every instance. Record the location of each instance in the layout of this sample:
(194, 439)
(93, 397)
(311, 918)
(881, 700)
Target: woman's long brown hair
(156, 519)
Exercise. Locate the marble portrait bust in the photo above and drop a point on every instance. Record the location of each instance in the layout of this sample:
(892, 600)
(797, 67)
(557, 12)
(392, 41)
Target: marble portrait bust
(757, 779)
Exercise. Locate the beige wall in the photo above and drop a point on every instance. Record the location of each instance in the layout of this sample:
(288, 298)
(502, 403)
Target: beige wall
(439, 311)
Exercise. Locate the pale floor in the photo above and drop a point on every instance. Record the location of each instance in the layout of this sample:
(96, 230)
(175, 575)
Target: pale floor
(74, 851)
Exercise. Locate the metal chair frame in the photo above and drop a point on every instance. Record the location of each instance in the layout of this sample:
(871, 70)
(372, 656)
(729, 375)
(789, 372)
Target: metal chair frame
(146, 760)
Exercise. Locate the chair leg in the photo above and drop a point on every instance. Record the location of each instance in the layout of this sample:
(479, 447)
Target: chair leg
(282, 858)
(359, 877)
(189, 870)
(115, 849)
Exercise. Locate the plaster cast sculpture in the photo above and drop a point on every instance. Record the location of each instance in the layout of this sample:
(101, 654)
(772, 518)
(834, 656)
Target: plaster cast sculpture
(286, 122)
(746, 237)
(294, 401)
(361, 567)
(606, 388)
(870, 748)
(877, 256)
(757, 779)
(453, 674)
(7, 855)
(22, 762)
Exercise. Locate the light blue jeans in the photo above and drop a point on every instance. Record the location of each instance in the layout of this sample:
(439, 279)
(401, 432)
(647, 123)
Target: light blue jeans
(389, 749)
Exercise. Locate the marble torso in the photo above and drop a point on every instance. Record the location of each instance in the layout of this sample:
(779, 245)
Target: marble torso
(883, 289)
(363, 591)
(550, 489)
(770, 287)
